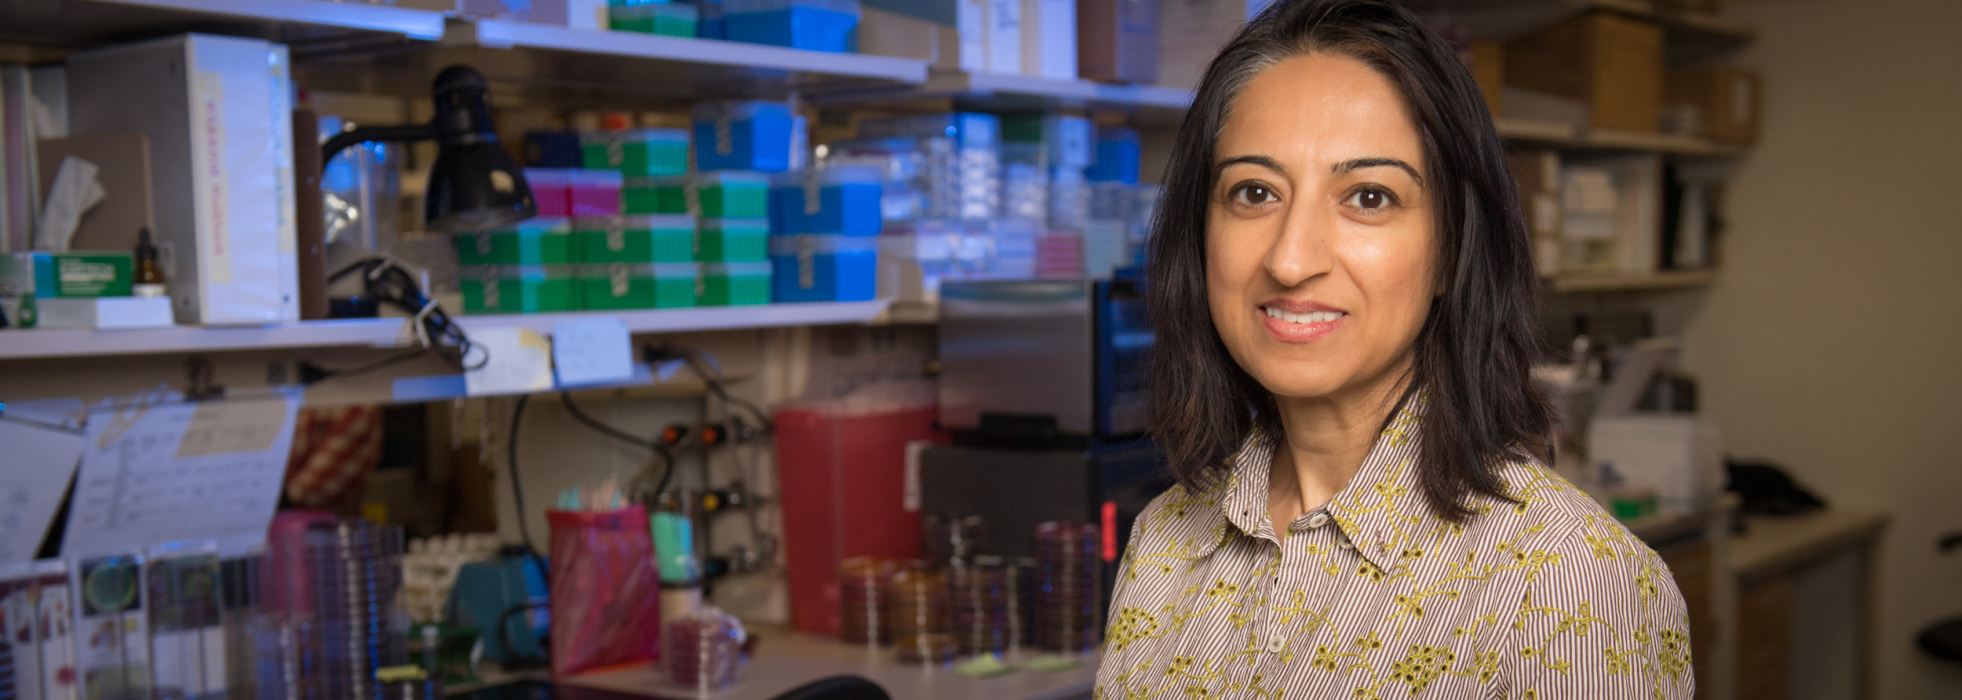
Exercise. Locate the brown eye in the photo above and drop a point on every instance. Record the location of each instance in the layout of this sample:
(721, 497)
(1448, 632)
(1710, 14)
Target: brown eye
(1252, 194)
(1372, 199)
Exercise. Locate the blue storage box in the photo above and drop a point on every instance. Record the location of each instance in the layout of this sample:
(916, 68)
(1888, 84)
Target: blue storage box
(747, 135)
(1118, 153)
(712, 25)
(838, 200)
(815, 25)
(824, 268)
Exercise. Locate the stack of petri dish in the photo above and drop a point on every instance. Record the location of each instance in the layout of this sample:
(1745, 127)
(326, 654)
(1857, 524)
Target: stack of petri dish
(1069, 604)
(979, 597)
(1020, 575)
(862, 599)
(703, 649)
(916, 612)
(950, 541)
(355, 570)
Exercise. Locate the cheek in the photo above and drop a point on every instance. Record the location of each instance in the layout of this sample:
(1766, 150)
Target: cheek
(1232, 265)
(1395, 274)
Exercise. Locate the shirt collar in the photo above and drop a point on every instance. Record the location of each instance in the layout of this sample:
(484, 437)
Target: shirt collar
(1381, 511)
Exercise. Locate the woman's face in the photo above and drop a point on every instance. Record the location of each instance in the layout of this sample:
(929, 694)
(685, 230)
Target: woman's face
(1319, 242)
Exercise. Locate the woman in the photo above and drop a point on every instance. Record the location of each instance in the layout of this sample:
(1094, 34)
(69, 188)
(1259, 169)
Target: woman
(1346, 312)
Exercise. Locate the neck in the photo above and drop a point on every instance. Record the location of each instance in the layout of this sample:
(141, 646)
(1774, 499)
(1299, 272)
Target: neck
(1325, 440)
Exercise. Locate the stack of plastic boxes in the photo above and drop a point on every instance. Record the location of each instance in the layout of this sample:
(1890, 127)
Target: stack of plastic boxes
(635, 259)
(825, 228)
(736, 145)
(653, 17)
(1113, 201)
(815, 25)
(529, 267)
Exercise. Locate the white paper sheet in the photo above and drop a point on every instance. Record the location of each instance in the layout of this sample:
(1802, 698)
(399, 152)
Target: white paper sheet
(35, 466)
(165, 472)
(513, 361)
(592, 351)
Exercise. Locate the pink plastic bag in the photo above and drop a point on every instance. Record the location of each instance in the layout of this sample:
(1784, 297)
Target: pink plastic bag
(606, 597)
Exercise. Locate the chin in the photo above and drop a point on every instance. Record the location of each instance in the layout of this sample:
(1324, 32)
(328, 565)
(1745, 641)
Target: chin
(1290, 380)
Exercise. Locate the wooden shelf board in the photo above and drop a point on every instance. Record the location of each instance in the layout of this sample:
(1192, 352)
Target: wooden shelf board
(1566, 284)
(390, 332)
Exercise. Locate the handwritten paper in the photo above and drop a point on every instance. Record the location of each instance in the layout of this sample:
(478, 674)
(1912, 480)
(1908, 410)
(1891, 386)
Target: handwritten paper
(167, 471)
(592, 351)
(34, 474)
(513, 361)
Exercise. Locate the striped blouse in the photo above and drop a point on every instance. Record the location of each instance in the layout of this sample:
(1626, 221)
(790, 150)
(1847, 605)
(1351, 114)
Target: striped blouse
(1372, 596)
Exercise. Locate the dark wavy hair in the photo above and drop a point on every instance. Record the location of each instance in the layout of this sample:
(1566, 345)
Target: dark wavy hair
(1475, 351)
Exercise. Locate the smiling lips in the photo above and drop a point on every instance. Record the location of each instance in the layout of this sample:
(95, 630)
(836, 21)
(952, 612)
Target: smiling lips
(1301, 321)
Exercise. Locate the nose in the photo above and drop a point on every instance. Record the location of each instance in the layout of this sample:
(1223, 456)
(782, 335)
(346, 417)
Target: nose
(1300, 251)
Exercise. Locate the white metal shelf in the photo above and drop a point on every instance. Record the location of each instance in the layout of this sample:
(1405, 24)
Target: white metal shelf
(71, 24)
(390, 332)
(707, 52)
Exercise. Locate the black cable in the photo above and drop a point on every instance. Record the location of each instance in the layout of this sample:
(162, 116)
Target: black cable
(311, 373)
(659, 450)
(517, 490)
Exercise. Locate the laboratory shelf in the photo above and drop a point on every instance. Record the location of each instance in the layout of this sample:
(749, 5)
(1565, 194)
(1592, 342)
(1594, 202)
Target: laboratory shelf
(71, 24)
(1568, 284)
(1566, 136)
(393, 332)
(602, 46)
(1687, 36)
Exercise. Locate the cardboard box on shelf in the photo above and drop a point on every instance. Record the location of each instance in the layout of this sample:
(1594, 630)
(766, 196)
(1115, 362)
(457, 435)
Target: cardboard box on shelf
(1611, 62)
(1117, 40)
(1190, 33)
(1726, 100)
(886, 33)
(1488, 64)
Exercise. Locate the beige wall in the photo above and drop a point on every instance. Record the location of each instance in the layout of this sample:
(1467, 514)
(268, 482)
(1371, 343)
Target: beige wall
(1833, 343)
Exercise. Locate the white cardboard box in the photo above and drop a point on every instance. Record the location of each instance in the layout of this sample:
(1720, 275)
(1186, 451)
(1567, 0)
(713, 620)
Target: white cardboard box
(103, 313)
(219, 117)
(1679, 455)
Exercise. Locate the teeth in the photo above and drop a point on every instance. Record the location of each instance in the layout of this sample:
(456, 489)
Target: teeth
(1313, 317)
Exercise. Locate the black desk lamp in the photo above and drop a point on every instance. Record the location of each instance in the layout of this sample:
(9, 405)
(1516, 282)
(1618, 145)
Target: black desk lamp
(474, 185)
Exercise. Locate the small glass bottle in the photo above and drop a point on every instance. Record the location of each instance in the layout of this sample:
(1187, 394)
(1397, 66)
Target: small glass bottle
(148, 280)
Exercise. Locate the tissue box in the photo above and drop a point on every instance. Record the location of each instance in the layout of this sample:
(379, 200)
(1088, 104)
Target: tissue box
(839, 200)
(746, 135)
(824, 268)
(513, 289)
(814, 25)
(667, 194)
(735, 283)
(734, 240)
(636, 152)
(663, 19)
(638, 285)
(537, 241)
(68, 274)
(666, 238)
(1678, 455)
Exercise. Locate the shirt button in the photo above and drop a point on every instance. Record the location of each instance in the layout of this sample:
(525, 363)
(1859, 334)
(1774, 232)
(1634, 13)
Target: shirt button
(1318, 520)
(1346, 544)
(1275, 645)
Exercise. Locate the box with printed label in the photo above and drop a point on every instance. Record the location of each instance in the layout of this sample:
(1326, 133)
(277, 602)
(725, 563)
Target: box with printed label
(735, 283)
(824, 268)
(662, 238)
(747, 135)
(518, 289)
(636, 152)
(734, 240)
(66, 274)
(639, 285)
(838, 200)
(537, 241)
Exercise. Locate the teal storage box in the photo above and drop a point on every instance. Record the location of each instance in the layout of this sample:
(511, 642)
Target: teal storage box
(615, 286)
(734, 240)
(734, 194)
(537, 241)
(824, 268)
(663, 19)
(840, 200)
(636, 152)
(744, 135)
(656, 238)
(665, 194)
(519, 289)
(735, 283)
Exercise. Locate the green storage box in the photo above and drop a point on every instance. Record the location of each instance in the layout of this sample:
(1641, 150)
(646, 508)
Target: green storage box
(639, 285)
(661, 238)
(519, 289)
(666, 194)
(734, 240)
(734, 194)
(735, 283)
(537, 241)
(636, 152)
(78, 273)
(663, 19)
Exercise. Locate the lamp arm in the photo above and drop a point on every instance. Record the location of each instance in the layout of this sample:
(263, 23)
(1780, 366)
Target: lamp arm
(340, 141)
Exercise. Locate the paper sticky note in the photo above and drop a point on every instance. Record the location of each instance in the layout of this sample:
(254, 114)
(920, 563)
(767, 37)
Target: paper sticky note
(592, 351)
(513, 361)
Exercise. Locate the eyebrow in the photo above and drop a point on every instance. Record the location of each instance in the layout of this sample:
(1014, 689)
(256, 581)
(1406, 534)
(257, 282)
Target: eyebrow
(1355, 164)
(1262, 161)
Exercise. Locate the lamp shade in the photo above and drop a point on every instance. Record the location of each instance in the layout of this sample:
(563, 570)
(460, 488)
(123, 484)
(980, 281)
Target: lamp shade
(474, 184)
